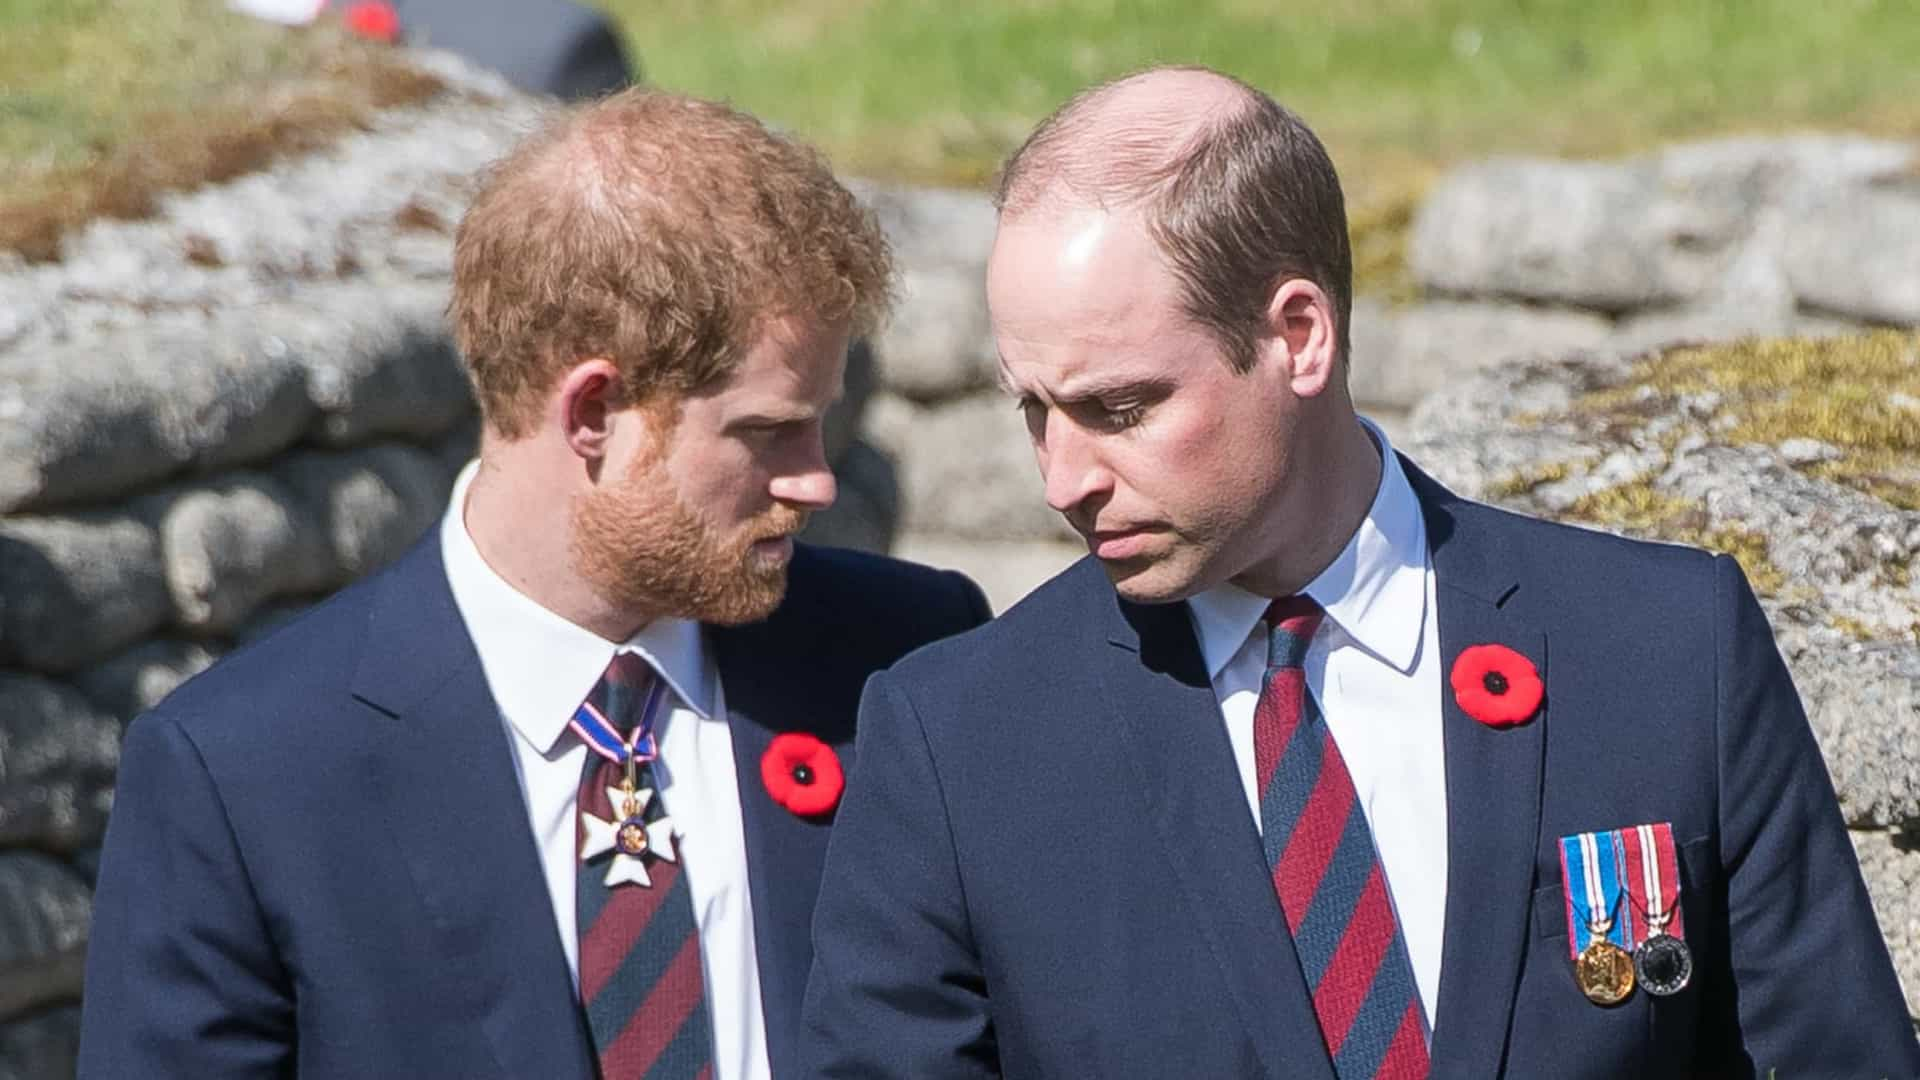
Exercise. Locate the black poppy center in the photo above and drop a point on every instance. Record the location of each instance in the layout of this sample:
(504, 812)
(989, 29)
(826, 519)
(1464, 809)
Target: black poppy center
(803, 774)
(1495, 683)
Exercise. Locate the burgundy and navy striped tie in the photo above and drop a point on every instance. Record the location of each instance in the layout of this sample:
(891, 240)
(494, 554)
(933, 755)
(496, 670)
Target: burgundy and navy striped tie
(1332, 890)
(640, 977)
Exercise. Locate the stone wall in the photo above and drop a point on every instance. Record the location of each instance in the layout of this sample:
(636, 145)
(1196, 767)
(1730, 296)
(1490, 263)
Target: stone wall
(210, 419)
(1816, 234)
(207, 421)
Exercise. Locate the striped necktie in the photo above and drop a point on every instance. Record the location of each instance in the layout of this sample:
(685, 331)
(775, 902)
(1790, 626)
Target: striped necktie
(1331, 888)
(640, 976)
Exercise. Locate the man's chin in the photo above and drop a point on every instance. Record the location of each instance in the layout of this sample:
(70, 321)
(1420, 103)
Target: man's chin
(1148, 581)
(753, 599)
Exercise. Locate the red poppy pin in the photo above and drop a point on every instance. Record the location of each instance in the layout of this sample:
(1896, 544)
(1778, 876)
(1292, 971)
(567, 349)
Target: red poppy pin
(802, 774)
(1496, 685)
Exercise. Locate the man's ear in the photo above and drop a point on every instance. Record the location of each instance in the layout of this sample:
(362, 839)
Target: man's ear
(584, 405)
(1301, 327)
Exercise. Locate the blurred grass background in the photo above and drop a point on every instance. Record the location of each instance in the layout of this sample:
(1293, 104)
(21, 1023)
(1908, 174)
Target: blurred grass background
(937, 92)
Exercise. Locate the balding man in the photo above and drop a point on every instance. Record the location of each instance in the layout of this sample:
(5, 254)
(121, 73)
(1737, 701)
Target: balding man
(1313, 768)
(549, 797)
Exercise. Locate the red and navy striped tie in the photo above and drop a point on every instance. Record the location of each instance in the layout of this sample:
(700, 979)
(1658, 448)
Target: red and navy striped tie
(1320, 852)
(640, 977)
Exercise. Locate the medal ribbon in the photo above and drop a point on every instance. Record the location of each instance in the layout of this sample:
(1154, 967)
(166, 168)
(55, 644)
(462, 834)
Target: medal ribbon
(1591, 875)
(603, 738)
(1653, 879)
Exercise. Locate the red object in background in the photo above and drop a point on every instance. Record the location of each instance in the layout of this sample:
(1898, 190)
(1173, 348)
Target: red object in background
(373, 19)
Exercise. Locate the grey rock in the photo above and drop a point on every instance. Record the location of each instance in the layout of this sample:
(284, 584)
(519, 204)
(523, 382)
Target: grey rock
(86, 863)
(933, 226)
(44, 910)
(1603, 236)
(1807, 451)
(1864, 705)
(378, 359)
(1400, 355)
(966, 469)
(41, 1046)
(842, 424)
(1720, 322)
(77, 588)
(1890, 861)
(867, 511)
(1717, 234)
(233, 544)
(136, 680)
(57, 759)
(1856, 253)
(370, 503)
(1770, 167)
(103, 416)
(306, 221)
(459, 446)
(939, 343)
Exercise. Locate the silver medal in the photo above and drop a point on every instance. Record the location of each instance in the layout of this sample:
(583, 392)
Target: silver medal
(1663, 964)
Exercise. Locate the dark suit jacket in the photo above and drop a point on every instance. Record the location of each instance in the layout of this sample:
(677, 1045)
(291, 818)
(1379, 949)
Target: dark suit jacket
(319, 859)
(1047, 867)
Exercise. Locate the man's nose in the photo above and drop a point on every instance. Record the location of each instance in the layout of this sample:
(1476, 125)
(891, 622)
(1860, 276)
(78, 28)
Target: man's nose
(1070, 466)
(809, 483)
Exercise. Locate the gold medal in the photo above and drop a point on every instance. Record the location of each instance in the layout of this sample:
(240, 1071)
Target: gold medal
(1604, 972)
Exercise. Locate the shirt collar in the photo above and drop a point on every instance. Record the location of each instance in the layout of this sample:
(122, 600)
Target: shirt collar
(540, 666)
(1375, 589)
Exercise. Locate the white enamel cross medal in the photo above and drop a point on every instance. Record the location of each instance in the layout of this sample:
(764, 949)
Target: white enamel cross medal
(627, 834)
(629, 837)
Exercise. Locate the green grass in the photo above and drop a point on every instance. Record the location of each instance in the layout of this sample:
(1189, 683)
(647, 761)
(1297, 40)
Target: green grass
(106, 103)
(80, 76)
(941, 90)
(925, 91)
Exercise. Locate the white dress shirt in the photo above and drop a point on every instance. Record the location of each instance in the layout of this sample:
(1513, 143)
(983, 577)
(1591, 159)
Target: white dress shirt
(1375, 669)
(540, 667)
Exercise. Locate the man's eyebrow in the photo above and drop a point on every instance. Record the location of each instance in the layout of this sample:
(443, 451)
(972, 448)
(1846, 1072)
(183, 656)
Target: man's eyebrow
(1103, 387)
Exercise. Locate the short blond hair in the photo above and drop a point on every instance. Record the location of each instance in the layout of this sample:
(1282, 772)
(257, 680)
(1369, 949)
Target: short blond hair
(658, 231)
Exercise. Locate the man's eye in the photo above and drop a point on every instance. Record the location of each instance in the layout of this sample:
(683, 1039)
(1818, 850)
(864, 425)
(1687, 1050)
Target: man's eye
(1124, 416)
(1035, 415)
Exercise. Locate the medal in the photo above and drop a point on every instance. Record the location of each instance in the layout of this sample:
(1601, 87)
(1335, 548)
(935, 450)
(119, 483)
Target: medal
(1604, 972)
(1663, 962)
(1599, 943)
(628, 837)
(627, 834)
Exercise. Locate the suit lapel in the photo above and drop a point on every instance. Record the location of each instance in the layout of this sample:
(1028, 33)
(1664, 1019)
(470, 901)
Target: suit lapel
(1158, 689)
(445, 785)
(1493, 778)
(775, 682)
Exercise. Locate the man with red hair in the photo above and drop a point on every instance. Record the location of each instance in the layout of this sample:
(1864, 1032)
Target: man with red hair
(549, 797)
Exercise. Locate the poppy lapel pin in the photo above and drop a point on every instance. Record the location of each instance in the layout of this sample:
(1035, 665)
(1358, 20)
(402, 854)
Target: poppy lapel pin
(1496, 685)
(802, 774)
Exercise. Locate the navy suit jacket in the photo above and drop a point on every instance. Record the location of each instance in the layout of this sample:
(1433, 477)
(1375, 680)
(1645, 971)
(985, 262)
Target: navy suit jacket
(319, 860)
(1047, 867)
